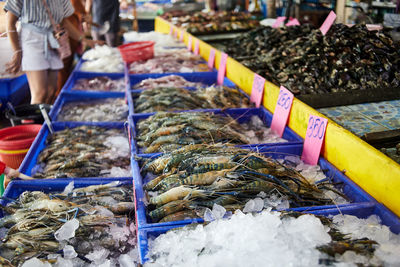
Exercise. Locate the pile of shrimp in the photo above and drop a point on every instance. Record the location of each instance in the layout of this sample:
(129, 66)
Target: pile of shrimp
(85, 151)
(196, 177)
(108, 109)
(101, 83)
(165, 81)
(173, 98)
(36, 218)
(168, 131)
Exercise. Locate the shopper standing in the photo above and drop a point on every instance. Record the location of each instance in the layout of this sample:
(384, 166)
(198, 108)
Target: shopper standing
(76, 19)
(34, 50)
(102, 11)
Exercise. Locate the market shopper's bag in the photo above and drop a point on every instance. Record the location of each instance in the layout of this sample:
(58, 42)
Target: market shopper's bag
(61, 35)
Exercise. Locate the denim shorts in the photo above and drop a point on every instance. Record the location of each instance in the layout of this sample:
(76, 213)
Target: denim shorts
(33, 52)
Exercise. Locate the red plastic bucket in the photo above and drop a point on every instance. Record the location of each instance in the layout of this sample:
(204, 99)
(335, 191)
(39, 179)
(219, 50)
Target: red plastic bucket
(137, 51)
(15, 143)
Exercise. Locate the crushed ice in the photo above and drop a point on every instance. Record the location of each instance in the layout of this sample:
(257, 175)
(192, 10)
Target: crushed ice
(258, 133)
(102, 59)
(244, 240)
(266, 239)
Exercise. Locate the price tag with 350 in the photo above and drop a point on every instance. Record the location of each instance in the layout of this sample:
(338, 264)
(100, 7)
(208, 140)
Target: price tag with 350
(314, 139)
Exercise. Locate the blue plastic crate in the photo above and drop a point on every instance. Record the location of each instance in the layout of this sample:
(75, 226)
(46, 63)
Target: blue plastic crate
(207, 78)
(240, 114)
(39, 143)
(17, 187)
(361, 210)
(344, 184)
(80, 96)
(76, 75)
(13, 90)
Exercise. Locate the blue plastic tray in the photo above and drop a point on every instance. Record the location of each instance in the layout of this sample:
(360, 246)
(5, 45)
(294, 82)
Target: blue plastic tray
(348, 187)
(17, 187)
(207, 78)
(13, 90)
(39, 143)
(76, 75)
(241, 115)
(361, 210)
(79, 96)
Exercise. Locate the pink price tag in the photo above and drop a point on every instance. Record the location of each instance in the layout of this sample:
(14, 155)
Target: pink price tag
(293, 22)
(314, 138)
(282, 110)
(176, 33)
(197, 47)
(257, 91)
(181, 36)
(328, 23)
(211, 59)
(222, 68)
(189, 47)
(278, 22)
(171, 30)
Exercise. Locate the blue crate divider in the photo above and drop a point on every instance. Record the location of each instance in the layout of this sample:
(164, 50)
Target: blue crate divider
(349, 188)
(242, 115)
(13, 90)
(17, 187)
(80, 96)
(362, 210)
(207, 78)
(76, 75)
(39, 143)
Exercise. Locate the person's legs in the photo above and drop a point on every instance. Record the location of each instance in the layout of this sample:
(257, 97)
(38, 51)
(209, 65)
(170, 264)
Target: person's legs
(111, 39)
(38, 86)
(51, 85)
(95, 35)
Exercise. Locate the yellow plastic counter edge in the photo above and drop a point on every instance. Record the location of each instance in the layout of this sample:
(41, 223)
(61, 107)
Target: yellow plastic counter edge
(376, 173)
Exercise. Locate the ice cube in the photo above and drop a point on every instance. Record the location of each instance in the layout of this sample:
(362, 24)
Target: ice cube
(218, 211)
(352, 257)
(118, 172)
(62, 262)
(119, 233)
(35, 262)
(256, 122)
(283, 205)
(68, 189)
(208, 215)
(104, 211)
(67, 230)
(249, 207)
(69, 252)
(106, 263)
(126, 261)
(98, 255)
(258, 204)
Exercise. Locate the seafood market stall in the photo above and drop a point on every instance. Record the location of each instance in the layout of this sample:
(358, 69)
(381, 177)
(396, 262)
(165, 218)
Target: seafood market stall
(179, 165)
(341, 148)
